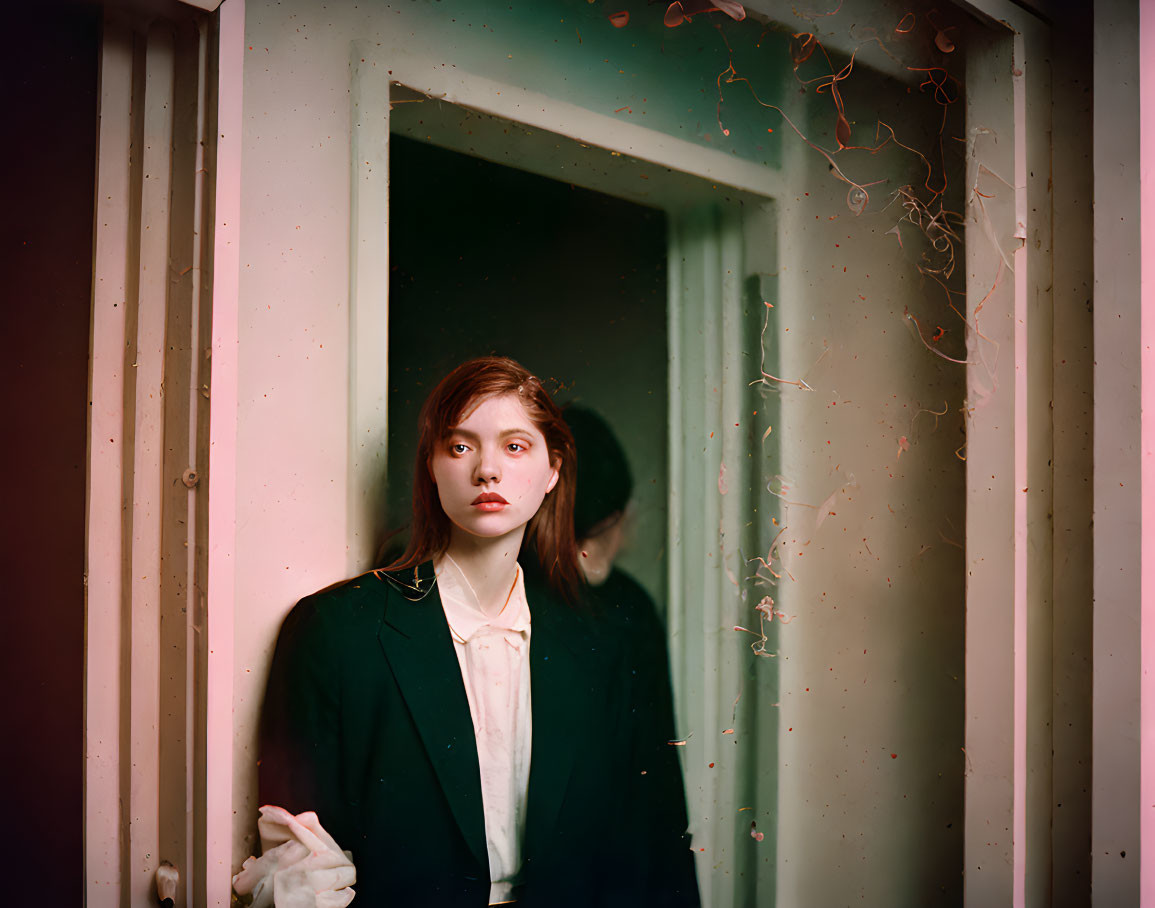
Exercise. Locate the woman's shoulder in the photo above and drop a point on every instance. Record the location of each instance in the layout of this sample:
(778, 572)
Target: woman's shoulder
(624, 604)
(358, 602)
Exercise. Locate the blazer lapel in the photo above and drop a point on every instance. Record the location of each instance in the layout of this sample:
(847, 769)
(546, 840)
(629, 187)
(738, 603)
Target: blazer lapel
(417, 645)
(557, 669)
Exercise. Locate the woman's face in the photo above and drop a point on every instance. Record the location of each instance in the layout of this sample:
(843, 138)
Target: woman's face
(493, 471)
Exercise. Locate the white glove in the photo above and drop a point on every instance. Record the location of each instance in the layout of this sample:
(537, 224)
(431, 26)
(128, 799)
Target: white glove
(300, 865)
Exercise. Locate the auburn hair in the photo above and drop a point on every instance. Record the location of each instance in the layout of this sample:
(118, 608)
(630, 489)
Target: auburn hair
(550, 532)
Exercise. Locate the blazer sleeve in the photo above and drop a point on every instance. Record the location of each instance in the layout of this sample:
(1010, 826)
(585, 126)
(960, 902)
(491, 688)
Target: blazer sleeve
(300, 732)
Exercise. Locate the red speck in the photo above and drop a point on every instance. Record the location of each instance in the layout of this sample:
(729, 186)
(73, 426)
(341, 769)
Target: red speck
(808, 688)
(790, 729)
(770, 129)
(619, 19)
(711, 765)
(894, 756)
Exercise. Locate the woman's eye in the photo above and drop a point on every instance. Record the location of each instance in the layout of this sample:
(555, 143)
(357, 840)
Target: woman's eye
(515, 447)
(458, 448)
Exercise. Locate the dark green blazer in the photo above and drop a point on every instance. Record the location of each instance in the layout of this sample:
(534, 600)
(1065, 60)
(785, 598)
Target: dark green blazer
(366, 722)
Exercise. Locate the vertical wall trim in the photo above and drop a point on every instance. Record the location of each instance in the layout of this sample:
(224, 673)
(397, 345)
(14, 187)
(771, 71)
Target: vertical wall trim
(368, 305)
(1073, 381)
(195, 451)
(148, 364)
(1010, 450)
(1021, 488)
(1117, 479)
(146, 557)
(734, 847)
(220, 604)
(764, 234)
(1034, 222)
(991, 596)
(707, 504)
(105, 468)
(703, 406)
(675, 585)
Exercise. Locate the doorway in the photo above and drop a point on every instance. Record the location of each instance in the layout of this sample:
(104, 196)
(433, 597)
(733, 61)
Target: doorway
(571, 282)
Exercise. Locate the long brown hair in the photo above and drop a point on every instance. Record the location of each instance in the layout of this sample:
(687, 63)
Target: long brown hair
(550, 532)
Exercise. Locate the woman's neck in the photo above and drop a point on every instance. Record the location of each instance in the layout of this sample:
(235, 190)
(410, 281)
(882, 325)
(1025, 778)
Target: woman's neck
(490, 565)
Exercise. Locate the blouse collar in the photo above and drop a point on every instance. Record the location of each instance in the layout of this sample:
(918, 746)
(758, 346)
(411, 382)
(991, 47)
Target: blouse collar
(463, 611)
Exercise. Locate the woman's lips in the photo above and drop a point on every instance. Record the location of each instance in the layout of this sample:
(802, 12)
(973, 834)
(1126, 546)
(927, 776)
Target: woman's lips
(489, 501)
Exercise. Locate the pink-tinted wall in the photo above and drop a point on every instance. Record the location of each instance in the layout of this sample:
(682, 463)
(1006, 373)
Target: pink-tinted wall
(1147, 393)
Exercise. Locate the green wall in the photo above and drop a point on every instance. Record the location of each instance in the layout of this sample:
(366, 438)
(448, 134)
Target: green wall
(666, 79)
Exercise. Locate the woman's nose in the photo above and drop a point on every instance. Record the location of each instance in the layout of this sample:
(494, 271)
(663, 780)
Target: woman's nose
(488, 468)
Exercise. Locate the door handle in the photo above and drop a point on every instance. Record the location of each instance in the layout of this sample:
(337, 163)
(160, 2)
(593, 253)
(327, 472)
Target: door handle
(167, 881)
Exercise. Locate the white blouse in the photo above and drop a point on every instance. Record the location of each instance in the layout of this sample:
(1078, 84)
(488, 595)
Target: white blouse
(494, 657)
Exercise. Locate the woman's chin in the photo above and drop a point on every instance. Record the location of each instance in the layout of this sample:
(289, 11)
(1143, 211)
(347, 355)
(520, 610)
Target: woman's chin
(486, 527)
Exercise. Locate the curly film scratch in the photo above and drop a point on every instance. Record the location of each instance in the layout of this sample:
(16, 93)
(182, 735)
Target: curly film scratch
(918, 329)
(811, 15)
(780, 493)
(766, 376)
(935, 413)
(804, 46)
(928, 205)
(975, 197)
(857, 196)
(767, 563)
(684, 10)
(766, 612)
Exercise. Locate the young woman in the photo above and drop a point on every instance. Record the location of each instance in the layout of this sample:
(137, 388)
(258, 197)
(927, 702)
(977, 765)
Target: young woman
(462, 721)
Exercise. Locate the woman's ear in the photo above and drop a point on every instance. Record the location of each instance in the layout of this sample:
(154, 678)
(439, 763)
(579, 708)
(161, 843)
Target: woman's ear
(553, 477)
